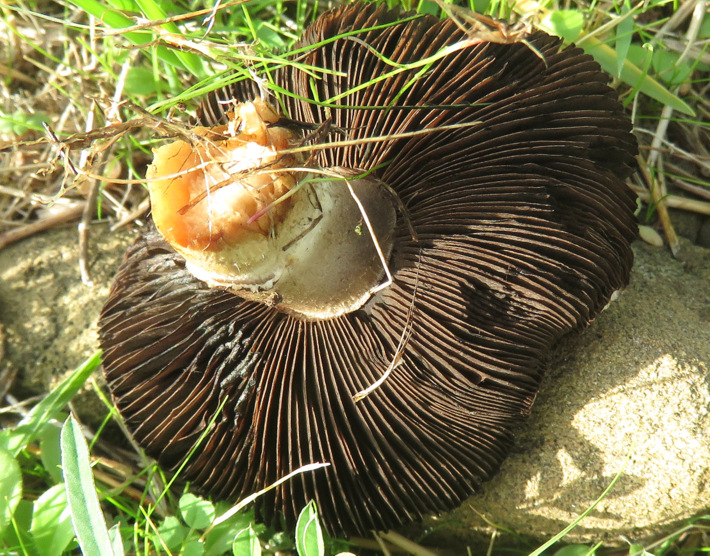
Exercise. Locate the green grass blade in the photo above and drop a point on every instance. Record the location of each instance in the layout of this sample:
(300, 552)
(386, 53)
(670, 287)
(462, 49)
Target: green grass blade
(249, 499)
(191, 61)
(116, 20)
(624, 32)
(615, 62)
(87, 518)
(574, 524)
(31, 426)
(113, 18)
(633, 76)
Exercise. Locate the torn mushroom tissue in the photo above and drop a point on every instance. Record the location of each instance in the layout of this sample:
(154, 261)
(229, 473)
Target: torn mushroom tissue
(235, 203)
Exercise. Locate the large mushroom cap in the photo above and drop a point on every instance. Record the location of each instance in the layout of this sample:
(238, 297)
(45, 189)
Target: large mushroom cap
(515, 193)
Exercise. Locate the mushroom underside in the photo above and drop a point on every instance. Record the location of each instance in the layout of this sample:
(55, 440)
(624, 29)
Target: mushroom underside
(522, 224)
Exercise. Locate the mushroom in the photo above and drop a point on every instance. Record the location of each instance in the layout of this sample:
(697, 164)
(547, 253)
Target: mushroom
(370, 276)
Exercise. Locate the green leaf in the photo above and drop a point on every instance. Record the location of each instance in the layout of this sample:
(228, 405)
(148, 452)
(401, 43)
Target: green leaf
(86, 515)
(51, 522)
(564, 23)
(574, 550)
(429, 7)
(309, 535)
(10, 488)
(193, 548)
(246, 543)
(191, 61)
(172, 532)
(18, 534)
(614, 64)
(666, 66)
(111, 17)
(124, 5)
(117, 20)
(196, 512)
(219, 539)
(140, 81)
(50, 452)
(269, 36)
(31, 426)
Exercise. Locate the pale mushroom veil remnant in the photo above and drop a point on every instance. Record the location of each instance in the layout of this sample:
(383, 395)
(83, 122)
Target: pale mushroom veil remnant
(419, 232)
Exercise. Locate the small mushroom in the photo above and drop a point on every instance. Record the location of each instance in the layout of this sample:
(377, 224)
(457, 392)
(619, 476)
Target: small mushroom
(370, 276)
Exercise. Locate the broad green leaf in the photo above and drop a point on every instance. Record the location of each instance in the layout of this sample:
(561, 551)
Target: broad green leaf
(21, 520)
(140, 81)
(29, 428)
(565, 23)
(193, 548)
(666, 66)
(309, 535)
(51, 522)
(196, 512)
(154, 11)
(218, 540)
(86, 515)
(269, 36)
(429, 7)
(574, 550)
(609, 60)
(125, 5)
(172, 532)
(50, 452)
(112, 17)
(10, 488)
(246, 543)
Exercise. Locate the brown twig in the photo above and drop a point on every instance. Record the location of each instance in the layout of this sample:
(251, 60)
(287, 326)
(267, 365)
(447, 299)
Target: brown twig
(68, 214)
(135, 214)
(674, 201)
(656, 197)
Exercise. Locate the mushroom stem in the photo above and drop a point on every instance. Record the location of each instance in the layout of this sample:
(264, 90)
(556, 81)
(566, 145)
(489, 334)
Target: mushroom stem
(248, 218)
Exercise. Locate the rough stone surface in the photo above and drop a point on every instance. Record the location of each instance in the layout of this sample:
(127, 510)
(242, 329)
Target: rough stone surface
(630, 394)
